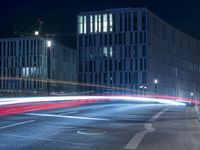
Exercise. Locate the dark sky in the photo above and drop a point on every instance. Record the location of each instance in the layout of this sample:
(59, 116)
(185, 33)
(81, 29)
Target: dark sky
(60, 15)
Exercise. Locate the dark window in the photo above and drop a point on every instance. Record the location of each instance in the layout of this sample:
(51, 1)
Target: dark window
(144, 51)
(135, 21)
(126, 78)
(144, 77)
(135, 78)
(105, 65)
(135, 51)
(141, 64)
(105, 78)
(110, 65)
(110, 39)
(143, 20)
(136, 37)
(120, 77)
(145, 64)
(136, 64)
(125, 19)
(80, 67)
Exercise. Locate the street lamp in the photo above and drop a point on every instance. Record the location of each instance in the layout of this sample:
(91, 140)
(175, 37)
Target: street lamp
(36, 32)
(156, 85)
(49, 45)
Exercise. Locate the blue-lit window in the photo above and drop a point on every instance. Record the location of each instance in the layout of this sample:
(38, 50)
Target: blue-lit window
(91, 24)
(111, 22)
(105, 23)
(80, 24)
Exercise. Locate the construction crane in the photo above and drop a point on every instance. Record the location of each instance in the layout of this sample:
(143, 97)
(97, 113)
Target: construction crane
(36, 29)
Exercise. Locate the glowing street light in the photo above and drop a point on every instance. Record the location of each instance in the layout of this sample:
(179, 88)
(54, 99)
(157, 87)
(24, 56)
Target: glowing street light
(49, 43)
(156, 85)
(156, 81)
(36, 32)
(192, 94)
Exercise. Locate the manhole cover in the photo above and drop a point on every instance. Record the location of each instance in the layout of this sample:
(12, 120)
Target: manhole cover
(91, 132)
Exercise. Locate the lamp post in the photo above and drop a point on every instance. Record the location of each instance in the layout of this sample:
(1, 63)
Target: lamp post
(156, 86)
(49, 45)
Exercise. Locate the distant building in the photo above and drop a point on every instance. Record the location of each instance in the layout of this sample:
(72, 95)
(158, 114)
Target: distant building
(29, 64)
(135, 49)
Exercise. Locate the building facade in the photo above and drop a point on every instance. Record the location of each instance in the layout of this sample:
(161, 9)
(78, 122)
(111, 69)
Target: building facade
(132, 48)
(33, 64)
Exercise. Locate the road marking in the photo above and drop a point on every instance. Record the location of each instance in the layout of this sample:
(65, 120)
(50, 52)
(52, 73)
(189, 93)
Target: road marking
(44, 139)
(69, 117)
(101, 107)
(16, 124)
(67, 113)
(137, 139)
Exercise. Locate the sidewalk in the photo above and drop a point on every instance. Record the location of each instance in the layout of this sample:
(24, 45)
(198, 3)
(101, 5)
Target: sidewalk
(197, 111)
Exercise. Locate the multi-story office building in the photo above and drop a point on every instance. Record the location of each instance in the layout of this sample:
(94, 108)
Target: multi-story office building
(28, 64)
(132, 48)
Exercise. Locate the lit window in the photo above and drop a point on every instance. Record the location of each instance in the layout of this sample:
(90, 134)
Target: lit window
(111, 22)
(96, 24)
(85, 24)
(105, 52)
(91, 24)
(111, 52)
(105, 23)
(99, 19)
(80, 24)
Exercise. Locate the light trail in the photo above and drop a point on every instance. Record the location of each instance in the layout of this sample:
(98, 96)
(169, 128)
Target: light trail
(12, 101)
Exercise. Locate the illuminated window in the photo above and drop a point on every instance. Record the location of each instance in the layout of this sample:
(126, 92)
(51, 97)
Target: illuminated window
(96, 24)
(91, 24)
(99, 21)
(80, 24)
(111, 52)
(85, 24)
(105, 52)
(111, 22)
(105, 23)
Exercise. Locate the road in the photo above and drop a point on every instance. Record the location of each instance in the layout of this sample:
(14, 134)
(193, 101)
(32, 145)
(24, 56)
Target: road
(103, 126)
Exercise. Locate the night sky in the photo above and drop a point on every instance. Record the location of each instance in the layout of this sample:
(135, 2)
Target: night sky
(60, 15)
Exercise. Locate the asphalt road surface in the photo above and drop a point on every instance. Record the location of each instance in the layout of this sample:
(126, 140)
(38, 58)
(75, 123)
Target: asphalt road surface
(103, 126)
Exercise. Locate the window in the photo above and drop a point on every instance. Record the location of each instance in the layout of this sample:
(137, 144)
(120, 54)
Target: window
(105, 52)
(136, 64)
(135, 21)
(135, 51)
(91, 24)
(110, 65)
(143, 20)
(99, 21)
(141, 64)
(80, 24)
(111, 22)
(135, 78)
(85, 24)
(111, 52)
(96, 24)
(144, 77)
(144, 51)
(105, 23)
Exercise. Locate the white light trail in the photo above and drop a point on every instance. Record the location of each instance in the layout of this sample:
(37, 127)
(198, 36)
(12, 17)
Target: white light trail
(10, 101)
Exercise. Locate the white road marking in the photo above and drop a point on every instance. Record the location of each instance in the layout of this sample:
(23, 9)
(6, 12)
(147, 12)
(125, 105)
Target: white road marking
(101, 107)
(137, 139)
(69, 117)
(16, 124)
(67, 113)
(44, 139)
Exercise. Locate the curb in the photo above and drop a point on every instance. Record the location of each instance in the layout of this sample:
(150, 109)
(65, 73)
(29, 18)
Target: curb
(197, 112)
